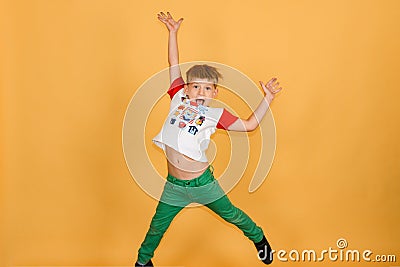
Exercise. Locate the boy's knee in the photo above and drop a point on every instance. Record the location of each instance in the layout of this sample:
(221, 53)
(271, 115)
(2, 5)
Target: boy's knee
(157, 230)
(158, 227)
(232, 214)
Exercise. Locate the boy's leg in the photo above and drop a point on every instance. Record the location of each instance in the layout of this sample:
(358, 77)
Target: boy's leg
(163, 217)
(227, 211)
(224, 208)
(210, 194)
(172, 201)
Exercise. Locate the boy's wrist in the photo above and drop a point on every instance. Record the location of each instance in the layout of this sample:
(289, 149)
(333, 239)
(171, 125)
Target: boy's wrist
(268, 99)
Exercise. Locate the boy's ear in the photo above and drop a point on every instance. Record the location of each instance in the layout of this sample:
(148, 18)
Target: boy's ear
(215, 93)
(185, 88)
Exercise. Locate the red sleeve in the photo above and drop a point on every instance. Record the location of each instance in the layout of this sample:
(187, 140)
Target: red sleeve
(175, 86)
(226, 120)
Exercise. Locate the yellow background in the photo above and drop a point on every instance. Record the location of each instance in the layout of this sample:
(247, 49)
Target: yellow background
(69, 69)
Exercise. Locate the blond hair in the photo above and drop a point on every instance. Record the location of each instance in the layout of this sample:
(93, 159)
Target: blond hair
(203, 72)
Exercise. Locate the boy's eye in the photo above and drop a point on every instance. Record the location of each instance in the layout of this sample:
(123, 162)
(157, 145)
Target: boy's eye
(208, 88)
(195, 86)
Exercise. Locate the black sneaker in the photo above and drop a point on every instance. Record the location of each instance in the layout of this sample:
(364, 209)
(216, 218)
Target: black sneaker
(264, 251)
(149, 264)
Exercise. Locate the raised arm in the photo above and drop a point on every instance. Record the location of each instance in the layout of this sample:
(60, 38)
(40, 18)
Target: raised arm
(254, 120)
(173, 54)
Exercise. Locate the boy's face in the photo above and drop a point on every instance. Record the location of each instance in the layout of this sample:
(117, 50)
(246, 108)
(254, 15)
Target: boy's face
(201, 91)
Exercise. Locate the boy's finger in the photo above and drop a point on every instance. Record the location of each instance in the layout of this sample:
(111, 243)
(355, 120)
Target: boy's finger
(162, 19)
(272, 80)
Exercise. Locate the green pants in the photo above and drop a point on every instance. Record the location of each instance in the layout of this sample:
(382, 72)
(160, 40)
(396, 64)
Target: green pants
(204, 190)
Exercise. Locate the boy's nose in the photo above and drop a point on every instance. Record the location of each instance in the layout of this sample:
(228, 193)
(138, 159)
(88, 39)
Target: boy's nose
(201, 91)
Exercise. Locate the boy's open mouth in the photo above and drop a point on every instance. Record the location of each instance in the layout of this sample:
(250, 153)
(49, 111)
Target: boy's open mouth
(200, 101)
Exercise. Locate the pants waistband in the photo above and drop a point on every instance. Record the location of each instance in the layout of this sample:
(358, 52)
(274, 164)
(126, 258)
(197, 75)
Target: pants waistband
(205, 178)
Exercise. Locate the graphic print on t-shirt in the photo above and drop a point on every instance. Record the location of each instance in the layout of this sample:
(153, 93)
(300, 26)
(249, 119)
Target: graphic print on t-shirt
(188, 114)
(200, 120)
(193, 130)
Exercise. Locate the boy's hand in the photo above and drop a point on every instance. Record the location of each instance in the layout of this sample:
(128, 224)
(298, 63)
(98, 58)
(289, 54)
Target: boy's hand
(270, 90)
(171, 24)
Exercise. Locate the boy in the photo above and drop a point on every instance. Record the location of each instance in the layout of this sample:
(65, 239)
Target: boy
(184, 138)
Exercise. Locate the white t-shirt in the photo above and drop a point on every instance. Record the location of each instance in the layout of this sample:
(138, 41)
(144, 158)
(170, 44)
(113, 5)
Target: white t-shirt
(189, 126)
